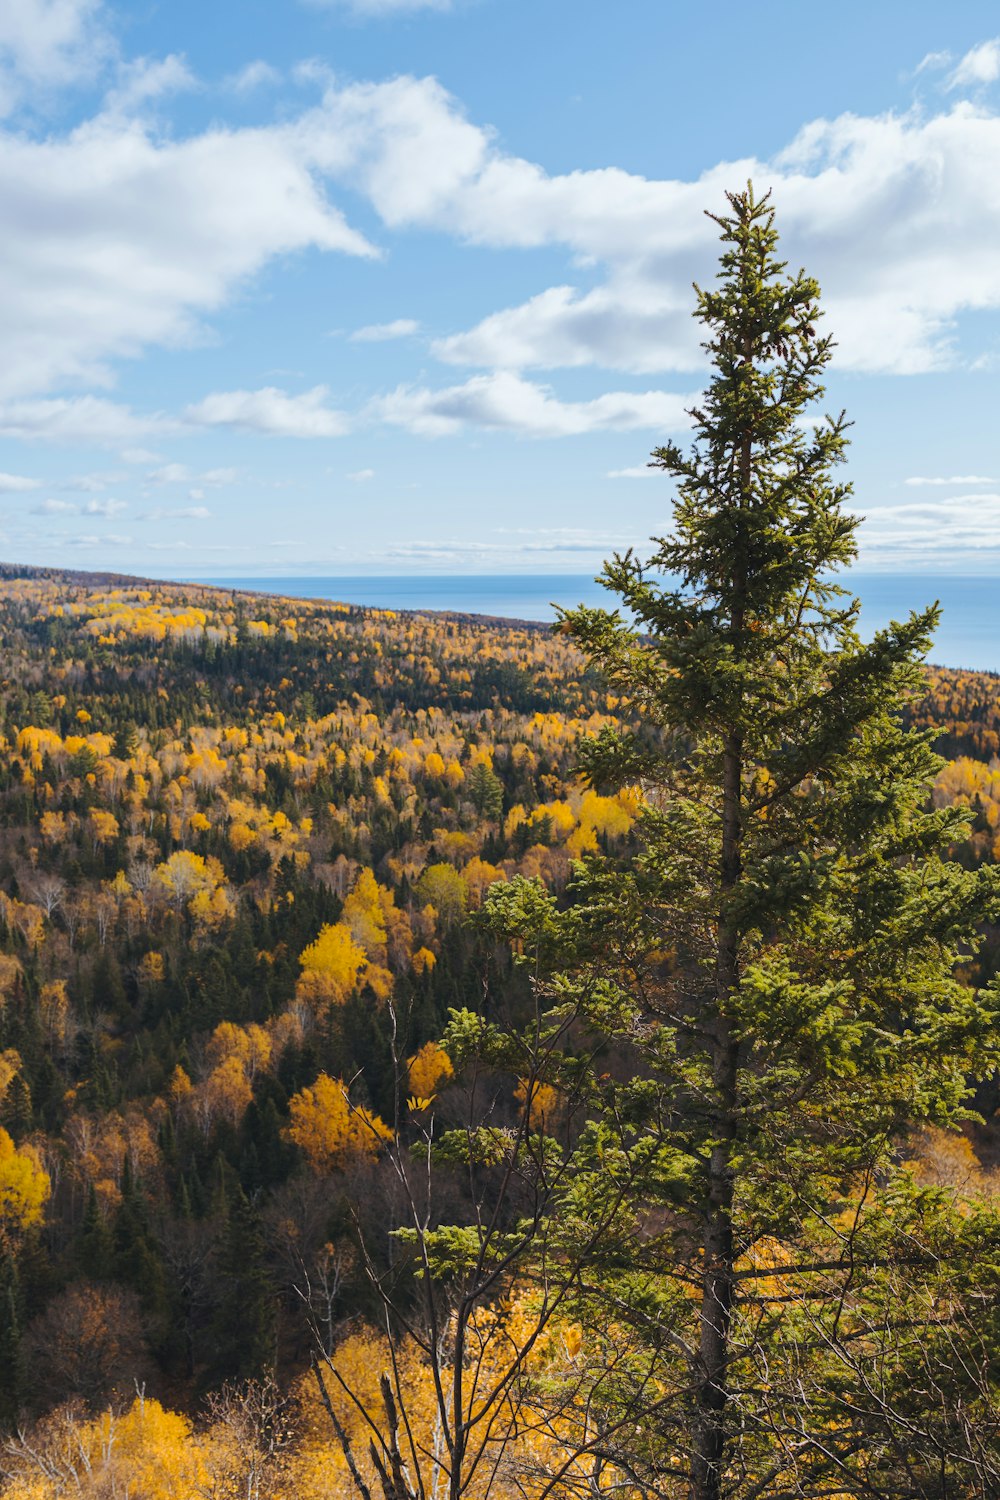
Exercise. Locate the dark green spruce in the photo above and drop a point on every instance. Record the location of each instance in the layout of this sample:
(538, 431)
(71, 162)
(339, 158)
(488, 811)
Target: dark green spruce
(770, 983)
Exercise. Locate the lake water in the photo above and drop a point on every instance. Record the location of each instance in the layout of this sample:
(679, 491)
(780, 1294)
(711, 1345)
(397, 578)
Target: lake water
(969, 634)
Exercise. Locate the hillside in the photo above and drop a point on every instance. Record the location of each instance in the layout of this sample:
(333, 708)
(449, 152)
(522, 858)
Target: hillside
(233, 826)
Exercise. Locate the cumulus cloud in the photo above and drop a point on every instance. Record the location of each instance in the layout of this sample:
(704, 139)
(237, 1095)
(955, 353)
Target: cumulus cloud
(77, 419)
(116, 240)
(47, 44)
(15, 483)
(506, 402)
(377, 333)
(638, 328)
(897, 215)
(638, 471)
(271, 411)
(361, 476)
(979, 66)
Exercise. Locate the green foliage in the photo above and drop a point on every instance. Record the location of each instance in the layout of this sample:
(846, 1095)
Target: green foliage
(782, 961)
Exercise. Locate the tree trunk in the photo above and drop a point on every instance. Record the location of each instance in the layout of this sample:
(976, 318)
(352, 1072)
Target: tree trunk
(712, 1391)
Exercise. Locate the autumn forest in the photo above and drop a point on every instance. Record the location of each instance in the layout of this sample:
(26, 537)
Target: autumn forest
(232, 828)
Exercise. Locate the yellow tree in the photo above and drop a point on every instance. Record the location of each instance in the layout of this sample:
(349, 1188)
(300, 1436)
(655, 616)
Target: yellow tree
(329, 1129)
(428, 1071)
(331, 967)
(24, 1189)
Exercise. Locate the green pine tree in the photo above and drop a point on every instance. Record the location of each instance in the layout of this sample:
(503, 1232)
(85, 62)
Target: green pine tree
(243, 1326)
(11, 1354)
(776, 973)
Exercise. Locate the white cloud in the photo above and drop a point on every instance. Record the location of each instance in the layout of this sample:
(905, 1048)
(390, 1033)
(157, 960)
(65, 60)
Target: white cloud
(104, 507)
(922, 531)
(980, 65)
(554, 540)
(77, 419)
(139, 456)
(174, 473)
(638, 471)
(146, 79)
(361, 475)
(16, 483)
(377, 333)
(72, 508)
(46, 44)
(181, 513)
(271, 411)
(116, 240)
(627, 328)
(255, 75)
(932, 62)
(93, 484)
(91, 539)
(505, 402)
(55, 508)
(170, 474)
(897, 215)
(955, 479)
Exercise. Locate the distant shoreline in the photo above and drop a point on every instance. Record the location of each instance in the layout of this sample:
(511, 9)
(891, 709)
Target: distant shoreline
(968, 636)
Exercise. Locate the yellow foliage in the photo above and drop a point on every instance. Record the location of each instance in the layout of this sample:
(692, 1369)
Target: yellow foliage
(10, 973)
(428, 1070)
(180, 1085)
(479, 875)
(103, 826)
(53, 827)
(364, 914)
(543, 1105)
(329, 1129)
(10, 1066)
(184, 874)
(24, 1188)
(423, 961)
(331, 966)
(145, 1452)
(241, 836)
(152, 969)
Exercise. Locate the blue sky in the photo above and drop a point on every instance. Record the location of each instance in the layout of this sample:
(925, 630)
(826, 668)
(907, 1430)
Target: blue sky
(389, 286)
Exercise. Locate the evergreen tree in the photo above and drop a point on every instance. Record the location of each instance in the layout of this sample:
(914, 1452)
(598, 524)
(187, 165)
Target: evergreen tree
(243, 1327)
(777, 972)
(95, 1250)
(11, 1355)
(485, 791)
